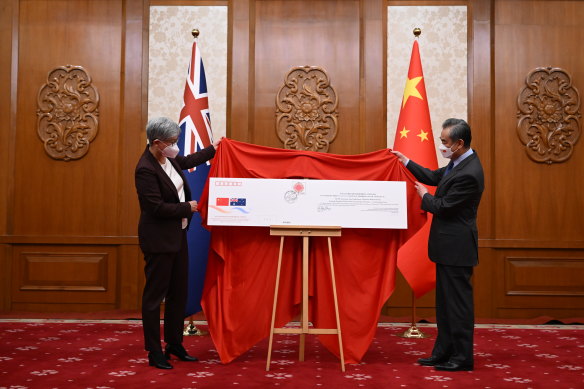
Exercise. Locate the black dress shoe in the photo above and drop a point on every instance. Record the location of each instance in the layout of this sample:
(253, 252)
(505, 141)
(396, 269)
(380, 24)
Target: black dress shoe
(432, 360)
(453, 366)
(179, 351)
(157, 359)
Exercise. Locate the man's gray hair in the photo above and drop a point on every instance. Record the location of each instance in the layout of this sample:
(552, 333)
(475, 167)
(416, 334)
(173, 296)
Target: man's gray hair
(161, 128)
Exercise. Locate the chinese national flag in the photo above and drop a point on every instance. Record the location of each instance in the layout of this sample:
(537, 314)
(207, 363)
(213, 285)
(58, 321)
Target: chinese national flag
(414, 139)
(222, 201)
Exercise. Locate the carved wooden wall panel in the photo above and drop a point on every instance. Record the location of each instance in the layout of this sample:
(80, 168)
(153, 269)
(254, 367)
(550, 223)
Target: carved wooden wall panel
(63, 226)
(533, 258)
(71, 274)
(345, 37)
(80, 272)
(530, 202)
(544, 276)
(306, 110)
(79, 198)
(542, 282)
(67, 112)
(549, 117)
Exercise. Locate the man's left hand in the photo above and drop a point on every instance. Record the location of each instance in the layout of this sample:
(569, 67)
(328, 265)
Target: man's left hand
(421, 189)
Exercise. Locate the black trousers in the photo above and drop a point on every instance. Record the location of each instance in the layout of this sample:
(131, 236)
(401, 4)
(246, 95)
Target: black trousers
(166, 278)
(454, 314)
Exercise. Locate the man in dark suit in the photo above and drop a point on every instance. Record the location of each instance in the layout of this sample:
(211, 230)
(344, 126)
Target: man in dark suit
(453, 242)
(166, 209)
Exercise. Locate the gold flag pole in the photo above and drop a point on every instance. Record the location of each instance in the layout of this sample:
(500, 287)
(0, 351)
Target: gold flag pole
(413, 331)
(190, 328)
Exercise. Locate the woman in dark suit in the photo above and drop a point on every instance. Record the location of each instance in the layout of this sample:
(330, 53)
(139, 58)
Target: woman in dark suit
(166, 210)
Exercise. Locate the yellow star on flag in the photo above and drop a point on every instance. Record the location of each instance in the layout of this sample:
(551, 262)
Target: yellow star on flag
(423, 135)
(411, 90)
(404, 133)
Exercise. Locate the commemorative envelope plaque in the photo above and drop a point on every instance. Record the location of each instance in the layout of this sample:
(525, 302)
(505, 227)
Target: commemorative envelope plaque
(267, 202)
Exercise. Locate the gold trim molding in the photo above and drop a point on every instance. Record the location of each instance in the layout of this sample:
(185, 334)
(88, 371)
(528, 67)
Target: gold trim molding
(549, 117)
(67, 113)
(306, 110)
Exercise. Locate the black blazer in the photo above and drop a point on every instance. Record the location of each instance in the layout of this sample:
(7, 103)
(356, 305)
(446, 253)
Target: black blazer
(453, 234)
(161, 213)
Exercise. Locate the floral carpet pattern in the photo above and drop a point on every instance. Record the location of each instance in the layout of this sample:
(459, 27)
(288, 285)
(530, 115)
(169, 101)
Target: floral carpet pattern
(109, 354)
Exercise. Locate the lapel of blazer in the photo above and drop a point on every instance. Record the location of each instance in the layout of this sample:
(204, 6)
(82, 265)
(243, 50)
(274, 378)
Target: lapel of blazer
(161, 173)
(182, 175)
(456, 169)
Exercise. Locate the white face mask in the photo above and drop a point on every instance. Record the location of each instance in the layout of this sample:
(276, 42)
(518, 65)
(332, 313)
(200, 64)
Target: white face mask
(446, 151)
(170, 151)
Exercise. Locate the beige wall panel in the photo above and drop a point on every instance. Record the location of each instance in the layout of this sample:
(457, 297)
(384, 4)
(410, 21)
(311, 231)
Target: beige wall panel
(443, 50)
(170, 44)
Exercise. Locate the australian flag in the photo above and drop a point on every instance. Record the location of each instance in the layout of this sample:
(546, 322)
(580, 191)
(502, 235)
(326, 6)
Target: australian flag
(237, 202)
(195, 123)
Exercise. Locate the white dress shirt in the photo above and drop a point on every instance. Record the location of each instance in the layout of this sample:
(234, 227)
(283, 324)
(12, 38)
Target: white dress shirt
(178, 183)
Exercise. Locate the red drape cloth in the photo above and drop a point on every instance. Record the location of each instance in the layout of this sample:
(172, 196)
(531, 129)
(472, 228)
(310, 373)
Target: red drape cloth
(241, 270)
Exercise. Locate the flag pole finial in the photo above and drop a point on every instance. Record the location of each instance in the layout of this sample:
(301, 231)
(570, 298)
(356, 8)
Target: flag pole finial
(195, 32)
(417, 31)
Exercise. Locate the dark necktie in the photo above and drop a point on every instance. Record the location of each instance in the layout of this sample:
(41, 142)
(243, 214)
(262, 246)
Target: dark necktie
(448, 168)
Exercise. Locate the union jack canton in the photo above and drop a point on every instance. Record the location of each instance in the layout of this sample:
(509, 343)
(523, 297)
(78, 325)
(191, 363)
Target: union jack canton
(195, 119)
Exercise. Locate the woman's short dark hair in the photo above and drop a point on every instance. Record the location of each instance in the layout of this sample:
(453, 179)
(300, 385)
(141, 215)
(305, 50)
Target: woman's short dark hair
(459, 129)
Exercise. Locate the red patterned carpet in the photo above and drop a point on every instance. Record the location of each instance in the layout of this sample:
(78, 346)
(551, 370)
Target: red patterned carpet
(102, 355)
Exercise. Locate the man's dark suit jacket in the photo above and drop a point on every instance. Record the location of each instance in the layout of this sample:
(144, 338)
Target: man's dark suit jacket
(453, 237)
(160, 226)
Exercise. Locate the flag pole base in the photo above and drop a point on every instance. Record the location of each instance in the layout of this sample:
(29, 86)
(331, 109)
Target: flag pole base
(413, 332)
(191, 330)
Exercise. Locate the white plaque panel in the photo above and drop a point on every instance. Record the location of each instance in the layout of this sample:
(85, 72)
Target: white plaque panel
(348, 204)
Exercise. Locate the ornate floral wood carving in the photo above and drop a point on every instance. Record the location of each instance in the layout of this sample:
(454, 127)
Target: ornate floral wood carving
(549, 117)
(306, 110)
(67, 112)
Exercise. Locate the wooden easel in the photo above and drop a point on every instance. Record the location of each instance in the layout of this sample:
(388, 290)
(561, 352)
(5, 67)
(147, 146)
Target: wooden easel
(305, 232)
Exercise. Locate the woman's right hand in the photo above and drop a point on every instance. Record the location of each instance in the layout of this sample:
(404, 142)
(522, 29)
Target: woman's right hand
(216, 143)
(193, 205)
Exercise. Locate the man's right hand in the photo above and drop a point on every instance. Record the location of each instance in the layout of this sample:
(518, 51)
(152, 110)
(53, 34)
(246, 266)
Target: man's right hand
(402, 158)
